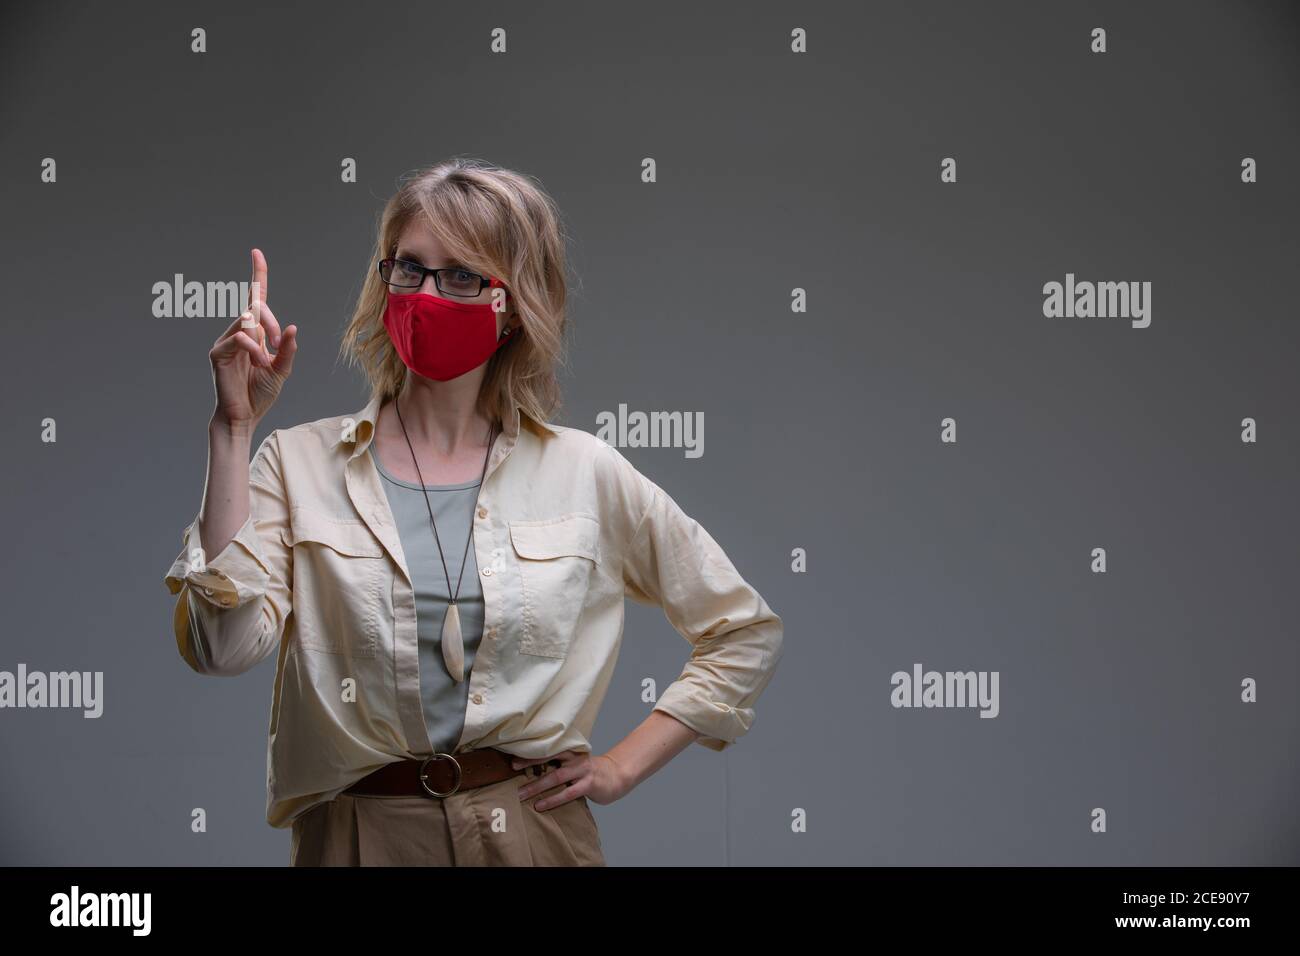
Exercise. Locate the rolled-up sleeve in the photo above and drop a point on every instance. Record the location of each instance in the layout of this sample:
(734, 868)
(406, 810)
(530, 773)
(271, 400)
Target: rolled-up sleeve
(671, 561)
(231, 608)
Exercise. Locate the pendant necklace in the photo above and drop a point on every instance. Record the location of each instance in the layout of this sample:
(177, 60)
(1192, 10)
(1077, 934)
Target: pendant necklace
(453, 647)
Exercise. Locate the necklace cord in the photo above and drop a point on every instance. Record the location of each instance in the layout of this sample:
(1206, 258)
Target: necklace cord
(470, 537)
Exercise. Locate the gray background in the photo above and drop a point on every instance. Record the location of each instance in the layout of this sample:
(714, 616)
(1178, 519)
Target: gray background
(821, 430)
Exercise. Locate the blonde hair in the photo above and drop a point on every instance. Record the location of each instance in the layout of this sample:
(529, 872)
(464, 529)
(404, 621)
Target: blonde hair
(502, 224)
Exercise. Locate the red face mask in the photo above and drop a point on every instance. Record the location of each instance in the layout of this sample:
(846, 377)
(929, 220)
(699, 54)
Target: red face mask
(440, 339)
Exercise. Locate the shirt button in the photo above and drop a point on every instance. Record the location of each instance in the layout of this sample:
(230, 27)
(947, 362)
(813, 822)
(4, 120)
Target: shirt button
(478, 698)
(482, 512)
(487, 572)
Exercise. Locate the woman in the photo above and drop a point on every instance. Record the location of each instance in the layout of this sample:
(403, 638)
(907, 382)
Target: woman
(443, 573)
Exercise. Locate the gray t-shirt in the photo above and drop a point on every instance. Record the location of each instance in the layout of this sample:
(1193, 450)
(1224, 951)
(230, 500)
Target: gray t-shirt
(453, 509)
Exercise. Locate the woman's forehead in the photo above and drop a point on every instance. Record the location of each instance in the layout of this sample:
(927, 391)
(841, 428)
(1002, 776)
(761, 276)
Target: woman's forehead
(420, 235)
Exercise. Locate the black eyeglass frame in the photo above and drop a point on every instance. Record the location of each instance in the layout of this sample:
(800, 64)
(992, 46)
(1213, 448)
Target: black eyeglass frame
(437, 277)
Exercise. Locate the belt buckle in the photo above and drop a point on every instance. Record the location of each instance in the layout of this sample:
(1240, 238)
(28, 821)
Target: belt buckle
(425, 776)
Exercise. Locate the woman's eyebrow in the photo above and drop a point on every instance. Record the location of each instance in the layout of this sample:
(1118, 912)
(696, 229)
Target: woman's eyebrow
(416, 257)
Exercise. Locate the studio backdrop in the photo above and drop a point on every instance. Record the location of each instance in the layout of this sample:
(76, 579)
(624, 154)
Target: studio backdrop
(968, 330)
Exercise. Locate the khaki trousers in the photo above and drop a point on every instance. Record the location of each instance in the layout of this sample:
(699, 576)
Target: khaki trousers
(485, 826)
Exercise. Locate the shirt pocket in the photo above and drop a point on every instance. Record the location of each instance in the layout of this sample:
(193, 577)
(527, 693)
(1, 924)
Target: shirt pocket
(338, 578)
(556, 558)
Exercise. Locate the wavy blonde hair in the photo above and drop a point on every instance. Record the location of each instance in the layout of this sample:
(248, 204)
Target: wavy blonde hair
(497, 222)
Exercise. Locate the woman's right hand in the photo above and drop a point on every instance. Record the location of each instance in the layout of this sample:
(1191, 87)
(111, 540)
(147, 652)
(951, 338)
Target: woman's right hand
(247, 377)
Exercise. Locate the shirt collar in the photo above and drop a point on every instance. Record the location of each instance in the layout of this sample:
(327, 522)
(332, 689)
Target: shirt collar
(363, 429)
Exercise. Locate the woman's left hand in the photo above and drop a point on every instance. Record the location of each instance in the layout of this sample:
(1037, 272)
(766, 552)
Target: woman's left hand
(595, 777)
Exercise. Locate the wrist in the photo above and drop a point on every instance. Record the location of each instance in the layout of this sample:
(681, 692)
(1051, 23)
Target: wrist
(623, 778)
(223, 429)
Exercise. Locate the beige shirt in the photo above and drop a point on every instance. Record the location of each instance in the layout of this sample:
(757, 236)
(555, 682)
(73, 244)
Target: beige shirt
(565, 528)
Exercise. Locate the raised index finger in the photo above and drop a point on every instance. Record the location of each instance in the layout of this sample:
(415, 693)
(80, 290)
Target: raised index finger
(252, 318)
(259, 277)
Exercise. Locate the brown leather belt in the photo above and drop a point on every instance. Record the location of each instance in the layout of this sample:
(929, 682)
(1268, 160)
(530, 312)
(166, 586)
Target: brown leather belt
(440, 775)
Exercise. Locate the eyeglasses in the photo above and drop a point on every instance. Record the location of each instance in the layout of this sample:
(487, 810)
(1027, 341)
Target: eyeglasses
(404, 276)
